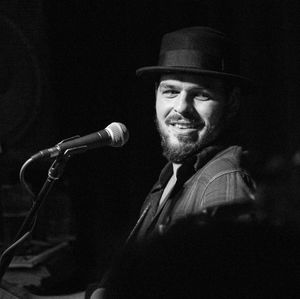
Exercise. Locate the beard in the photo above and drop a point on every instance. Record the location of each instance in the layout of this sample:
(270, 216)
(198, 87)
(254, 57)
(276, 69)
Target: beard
(187, 145)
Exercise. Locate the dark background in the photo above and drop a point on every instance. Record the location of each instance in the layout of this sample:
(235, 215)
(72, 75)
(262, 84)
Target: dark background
(85, 57)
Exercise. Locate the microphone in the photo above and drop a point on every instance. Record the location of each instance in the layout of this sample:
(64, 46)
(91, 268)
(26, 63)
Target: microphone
(115, 135)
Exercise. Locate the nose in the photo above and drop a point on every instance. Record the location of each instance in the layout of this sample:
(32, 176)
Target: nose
(183, 103)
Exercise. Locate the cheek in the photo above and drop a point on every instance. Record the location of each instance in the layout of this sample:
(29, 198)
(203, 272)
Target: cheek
(211, 113)
(162, 109)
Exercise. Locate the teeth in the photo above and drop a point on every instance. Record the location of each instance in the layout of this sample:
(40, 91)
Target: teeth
(183, 126)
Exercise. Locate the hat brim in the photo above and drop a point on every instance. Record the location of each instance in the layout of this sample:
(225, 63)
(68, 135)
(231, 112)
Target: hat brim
(152, 72)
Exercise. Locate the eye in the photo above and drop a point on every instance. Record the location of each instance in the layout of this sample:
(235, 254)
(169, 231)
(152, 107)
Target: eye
(170, 93)
(202, 96)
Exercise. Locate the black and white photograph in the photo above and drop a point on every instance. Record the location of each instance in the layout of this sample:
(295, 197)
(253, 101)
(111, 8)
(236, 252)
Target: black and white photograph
(149, 149)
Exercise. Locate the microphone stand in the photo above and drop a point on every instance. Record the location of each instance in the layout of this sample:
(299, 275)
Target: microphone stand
(54, 173)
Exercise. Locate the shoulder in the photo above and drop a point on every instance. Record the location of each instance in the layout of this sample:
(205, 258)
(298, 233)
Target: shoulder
(225, 179)
(231, 159)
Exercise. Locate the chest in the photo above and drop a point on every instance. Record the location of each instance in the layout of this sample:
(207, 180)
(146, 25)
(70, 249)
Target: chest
(167, 207)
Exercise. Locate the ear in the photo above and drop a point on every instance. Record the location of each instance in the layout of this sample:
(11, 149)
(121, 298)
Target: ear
(233, 103)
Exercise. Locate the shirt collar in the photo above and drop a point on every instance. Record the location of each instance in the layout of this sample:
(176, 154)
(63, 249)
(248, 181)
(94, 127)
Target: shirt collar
(198, 161)
(206, 155)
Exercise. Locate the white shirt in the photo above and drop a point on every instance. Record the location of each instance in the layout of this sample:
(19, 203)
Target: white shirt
(170, 185)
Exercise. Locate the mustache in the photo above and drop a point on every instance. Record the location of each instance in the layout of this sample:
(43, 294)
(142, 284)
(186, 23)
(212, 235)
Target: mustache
(172, 119)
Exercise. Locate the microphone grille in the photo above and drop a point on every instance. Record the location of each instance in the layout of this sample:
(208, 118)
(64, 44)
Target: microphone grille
(119, 134)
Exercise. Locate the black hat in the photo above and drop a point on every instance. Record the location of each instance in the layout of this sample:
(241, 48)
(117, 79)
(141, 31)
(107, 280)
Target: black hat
(198, 50)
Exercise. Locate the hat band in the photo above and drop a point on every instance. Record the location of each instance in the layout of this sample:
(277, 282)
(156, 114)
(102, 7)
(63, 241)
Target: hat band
(191, 59)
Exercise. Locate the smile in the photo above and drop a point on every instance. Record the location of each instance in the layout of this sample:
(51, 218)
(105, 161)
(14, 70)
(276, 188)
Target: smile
(184, 129)
(185, 125)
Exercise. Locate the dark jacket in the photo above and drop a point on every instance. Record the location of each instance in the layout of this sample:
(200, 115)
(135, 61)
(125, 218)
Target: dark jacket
(213, 183)
(216, 180)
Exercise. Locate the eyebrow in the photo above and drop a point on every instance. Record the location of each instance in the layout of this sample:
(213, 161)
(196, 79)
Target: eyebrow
(170, 85)
(167, 85)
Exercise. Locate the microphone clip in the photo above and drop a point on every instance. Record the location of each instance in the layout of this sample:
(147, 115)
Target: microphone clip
(71, 151)
(57, 151)
(56, 170)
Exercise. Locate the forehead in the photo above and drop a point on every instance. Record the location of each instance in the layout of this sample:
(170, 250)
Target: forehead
(199, 81)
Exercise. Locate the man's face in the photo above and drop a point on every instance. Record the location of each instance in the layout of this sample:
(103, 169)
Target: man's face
(189, 112)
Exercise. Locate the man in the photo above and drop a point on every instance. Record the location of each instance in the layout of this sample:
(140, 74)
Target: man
(197, 99)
